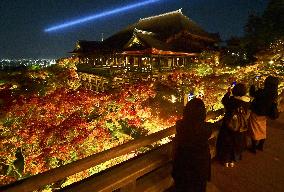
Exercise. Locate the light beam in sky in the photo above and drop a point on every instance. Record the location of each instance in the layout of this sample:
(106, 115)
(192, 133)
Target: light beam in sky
(99, 15)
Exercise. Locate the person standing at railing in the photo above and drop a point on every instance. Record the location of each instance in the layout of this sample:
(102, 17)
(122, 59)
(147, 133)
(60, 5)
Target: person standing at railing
(263, 105)
(231, 137)
(191, 158)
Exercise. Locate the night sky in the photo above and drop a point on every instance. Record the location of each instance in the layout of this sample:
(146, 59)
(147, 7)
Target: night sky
(22, 22)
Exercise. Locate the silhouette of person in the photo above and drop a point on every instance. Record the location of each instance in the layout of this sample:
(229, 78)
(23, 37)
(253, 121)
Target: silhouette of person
(191, 159)
(263, 105)
(230, 143)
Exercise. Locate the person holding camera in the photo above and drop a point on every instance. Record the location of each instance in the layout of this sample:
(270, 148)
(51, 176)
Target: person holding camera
(231, 137)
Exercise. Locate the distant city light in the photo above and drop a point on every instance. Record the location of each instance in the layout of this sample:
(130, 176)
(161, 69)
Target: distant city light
(99, 15)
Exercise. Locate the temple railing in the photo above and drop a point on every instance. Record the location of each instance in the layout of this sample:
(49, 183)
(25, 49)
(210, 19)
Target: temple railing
(128, 176)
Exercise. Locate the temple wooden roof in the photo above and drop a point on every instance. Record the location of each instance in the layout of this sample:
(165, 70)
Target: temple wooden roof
(165, 32)
(147, 39)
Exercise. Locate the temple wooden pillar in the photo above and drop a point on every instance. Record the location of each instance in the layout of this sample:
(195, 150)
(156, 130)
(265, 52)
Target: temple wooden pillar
(159, 63)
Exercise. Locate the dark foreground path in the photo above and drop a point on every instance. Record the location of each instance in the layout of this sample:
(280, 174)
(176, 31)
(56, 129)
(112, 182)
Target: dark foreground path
(261, 172)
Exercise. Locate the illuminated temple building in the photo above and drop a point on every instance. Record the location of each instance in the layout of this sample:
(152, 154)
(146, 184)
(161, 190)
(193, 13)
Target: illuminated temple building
(161, 42)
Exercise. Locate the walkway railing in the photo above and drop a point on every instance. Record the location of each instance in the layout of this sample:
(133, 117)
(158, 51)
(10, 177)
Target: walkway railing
(146, 171)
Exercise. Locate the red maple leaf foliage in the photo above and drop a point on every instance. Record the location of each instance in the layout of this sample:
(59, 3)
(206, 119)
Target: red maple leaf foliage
(60, 127)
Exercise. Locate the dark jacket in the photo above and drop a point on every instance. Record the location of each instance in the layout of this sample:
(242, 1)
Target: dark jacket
(263, 103)
(228, 141)
(192, 155)
(231, 103)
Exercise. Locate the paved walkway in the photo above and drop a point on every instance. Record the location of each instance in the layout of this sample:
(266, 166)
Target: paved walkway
(261, 172)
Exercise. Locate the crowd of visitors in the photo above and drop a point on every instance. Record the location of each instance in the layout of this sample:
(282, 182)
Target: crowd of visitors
(243, 127)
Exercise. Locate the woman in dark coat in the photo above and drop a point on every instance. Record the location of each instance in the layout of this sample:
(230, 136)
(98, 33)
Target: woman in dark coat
(263, 105)
(230, 143)
(191, 166)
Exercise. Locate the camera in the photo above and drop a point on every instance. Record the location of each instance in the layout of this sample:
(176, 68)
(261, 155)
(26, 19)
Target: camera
(190, 96)
(233, 84)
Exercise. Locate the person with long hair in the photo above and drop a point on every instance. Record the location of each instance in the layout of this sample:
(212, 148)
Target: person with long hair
(263, 105)
(191, 161)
